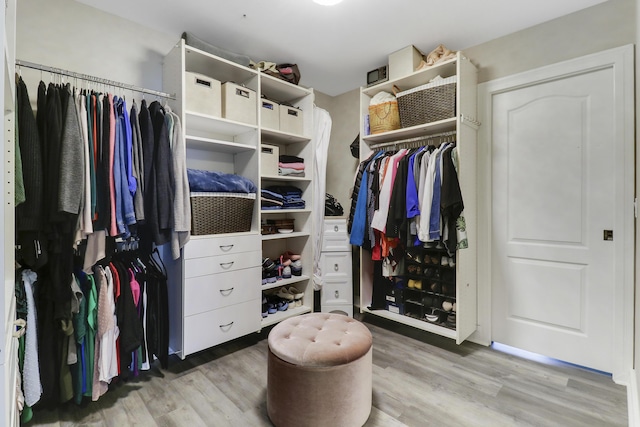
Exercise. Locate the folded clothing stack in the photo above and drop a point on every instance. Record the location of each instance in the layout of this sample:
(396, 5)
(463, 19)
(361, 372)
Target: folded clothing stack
(281, 197)
(290, 165)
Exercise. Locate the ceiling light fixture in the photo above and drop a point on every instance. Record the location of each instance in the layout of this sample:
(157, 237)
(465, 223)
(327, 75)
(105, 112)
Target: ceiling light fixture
(327, 2)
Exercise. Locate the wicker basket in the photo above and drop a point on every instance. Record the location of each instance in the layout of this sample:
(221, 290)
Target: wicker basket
(428, 103)
(215, 213)
(384, 117)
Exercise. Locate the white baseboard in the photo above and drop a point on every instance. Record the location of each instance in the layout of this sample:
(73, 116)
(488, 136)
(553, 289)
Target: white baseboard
(633, 399)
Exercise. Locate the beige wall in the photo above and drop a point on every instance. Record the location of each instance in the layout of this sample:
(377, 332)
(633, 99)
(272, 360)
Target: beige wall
(607, 25)
(72, 36)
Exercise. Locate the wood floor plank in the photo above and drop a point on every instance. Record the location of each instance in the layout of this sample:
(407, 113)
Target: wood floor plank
(419, 379)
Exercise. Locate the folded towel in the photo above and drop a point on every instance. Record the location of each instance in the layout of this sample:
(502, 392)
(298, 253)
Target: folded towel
(218, 182)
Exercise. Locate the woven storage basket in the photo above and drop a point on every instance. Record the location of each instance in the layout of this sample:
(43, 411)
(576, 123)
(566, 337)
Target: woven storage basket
(215, 213)
(384, 117)
(428, 103)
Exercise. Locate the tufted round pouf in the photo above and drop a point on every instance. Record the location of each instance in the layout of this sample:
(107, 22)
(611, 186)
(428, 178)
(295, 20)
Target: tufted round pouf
(319, 372)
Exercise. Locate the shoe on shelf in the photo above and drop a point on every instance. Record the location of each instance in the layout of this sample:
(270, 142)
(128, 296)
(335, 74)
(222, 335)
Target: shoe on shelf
(268, 264)
(288, 255)
(297, 294)
(272, 276)
(286, 272)
(265, 307)
(285, 294)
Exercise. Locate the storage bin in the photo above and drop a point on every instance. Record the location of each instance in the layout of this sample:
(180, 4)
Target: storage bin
(428, 103)
(291, 120)
(404, 62)
(215, 213)
(203, 94)
(269, 155)
(239, 103)
(270, 114)
(384, 117)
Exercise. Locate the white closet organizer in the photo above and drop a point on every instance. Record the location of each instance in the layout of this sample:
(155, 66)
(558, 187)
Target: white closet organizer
(335, 265)
(465, 125)
(215, 289)
(300, 144)
(8, 344)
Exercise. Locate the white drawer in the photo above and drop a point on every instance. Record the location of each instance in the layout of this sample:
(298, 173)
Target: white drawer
(335, 265)
(220, 264)
(335, 236)
(217, 326)
(220, 245)
(336, 292)
(214, 291)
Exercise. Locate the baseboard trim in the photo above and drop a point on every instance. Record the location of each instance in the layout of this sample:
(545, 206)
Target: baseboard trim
(633, 399)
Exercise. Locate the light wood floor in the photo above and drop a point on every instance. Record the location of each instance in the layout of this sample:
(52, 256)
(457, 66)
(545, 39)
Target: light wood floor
(419, 379)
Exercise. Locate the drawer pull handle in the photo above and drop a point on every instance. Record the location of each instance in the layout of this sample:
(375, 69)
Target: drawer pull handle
(226, 248)
(226, 292)
(335, 228)
(337, 294)
(227, 326)
(336, 267)
(226, 265)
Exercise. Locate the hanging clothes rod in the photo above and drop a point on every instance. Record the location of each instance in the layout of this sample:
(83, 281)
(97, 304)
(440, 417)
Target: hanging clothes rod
(94, 79)
(413, 140)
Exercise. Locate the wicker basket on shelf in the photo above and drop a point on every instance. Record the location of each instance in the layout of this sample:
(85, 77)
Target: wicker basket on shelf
(428, 103)
(215, 213)
(384, 117)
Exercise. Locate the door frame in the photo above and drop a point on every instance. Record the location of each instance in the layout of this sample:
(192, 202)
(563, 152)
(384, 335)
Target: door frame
(621, 60)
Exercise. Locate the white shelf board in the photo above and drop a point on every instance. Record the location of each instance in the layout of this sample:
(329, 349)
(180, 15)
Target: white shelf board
(199, 61)
(283, 138)
(281, 91)
(412, 132)
(279, 316)
(285, 178)
(283, 211)
(279, 236)
(410, 321)
(218, 125)
(445, 69)
(285, 282)
(203, 143)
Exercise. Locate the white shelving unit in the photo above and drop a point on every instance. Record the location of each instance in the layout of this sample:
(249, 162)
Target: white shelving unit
(300, 145)
(465, 125)
(215, 286)
(8, 344)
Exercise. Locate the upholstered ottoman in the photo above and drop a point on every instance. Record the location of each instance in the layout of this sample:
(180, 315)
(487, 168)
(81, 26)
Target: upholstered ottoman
(319, 372)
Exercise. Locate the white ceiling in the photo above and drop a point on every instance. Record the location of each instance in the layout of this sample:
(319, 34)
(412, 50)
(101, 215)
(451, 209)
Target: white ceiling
(334, 46)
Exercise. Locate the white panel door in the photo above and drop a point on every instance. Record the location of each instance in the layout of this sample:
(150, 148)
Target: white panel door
(557, 185)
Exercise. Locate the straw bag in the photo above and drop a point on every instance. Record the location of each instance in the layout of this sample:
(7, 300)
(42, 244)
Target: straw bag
(384, 115)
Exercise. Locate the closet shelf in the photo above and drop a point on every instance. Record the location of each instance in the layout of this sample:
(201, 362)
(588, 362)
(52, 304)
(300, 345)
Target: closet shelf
(285, 178)
(416, 323)
(283, 138)
(284, 211)
(209, 125)
(275, 88)
(414, 131)
(279, 236)
(274, 318)
(199, 61)
(203, 143)
(285, 282)
(444, 70)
